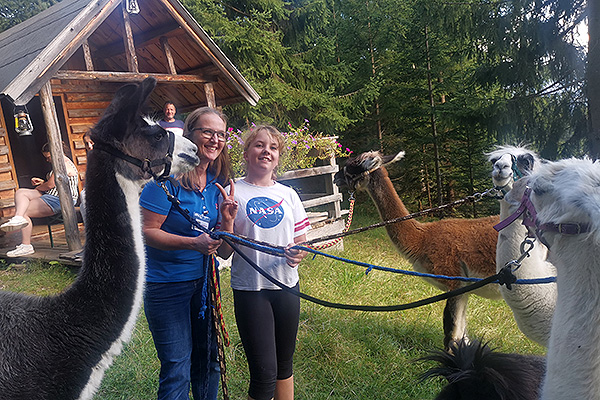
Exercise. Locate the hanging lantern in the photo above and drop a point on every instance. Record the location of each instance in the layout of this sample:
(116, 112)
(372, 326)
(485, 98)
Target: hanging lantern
(23, 125)
(132, 6)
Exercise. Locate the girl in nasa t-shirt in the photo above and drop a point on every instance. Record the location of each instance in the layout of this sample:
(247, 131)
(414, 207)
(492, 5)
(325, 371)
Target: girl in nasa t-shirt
(271, 212)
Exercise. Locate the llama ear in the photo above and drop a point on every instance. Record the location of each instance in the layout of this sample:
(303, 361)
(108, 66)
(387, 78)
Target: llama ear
(541, 186)
(392, 159)
(526, 162)
(136, 99)
(124, 109)
(370, 164)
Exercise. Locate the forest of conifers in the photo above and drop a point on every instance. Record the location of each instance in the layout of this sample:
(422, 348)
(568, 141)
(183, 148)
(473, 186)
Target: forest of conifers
(443, 80)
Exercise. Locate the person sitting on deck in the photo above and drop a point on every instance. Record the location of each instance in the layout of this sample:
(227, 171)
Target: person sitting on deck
(40, 202)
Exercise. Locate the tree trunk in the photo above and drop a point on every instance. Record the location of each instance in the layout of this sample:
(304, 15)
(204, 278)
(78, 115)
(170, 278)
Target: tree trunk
(374, 72)
(436, 151)
(593, 76)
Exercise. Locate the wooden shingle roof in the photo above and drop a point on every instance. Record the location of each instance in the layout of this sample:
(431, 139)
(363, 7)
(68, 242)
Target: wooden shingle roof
(87, 40)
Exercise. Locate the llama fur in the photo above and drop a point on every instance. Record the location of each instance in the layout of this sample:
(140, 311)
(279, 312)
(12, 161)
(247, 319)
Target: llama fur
(58, 347)
(452, 246)
(474, 371)
(568, 192)
(532, 305)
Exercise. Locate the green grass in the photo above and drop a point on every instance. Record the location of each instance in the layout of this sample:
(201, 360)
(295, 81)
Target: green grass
(340, 354)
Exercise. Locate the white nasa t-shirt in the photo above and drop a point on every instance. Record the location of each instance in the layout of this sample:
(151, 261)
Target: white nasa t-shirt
(272, 214)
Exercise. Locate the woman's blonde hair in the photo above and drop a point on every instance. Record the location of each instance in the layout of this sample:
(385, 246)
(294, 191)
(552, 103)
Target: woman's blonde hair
(221, 167)
(272, 132)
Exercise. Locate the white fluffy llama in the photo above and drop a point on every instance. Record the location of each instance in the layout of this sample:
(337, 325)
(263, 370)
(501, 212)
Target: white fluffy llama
(532, 305)
(566, 196)
(452, 247)
(58, 347)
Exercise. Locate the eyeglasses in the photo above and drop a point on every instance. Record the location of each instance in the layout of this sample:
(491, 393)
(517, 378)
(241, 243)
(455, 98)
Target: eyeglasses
(209, 133)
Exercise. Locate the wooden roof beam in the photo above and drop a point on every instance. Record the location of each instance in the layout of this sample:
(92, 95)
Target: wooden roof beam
(104, 76)
(87, 56)
(164, 42)
(132, 62)
(140, 40)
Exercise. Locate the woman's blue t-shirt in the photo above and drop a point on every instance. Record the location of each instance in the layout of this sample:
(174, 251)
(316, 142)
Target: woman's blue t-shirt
(179, 265)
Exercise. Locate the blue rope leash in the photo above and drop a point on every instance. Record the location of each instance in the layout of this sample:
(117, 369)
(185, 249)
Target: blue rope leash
(399, 307)
(505, 276)
(275, 250)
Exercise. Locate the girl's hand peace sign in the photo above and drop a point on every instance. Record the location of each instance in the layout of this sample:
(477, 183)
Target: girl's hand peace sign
(229, 206)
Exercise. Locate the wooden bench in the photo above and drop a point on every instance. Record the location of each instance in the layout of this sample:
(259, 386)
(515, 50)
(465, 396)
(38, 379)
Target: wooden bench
(56, 219)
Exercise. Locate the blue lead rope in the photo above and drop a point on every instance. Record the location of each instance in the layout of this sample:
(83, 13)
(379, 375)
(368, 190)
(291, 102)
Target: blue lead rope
(504, 277)
(265, 247)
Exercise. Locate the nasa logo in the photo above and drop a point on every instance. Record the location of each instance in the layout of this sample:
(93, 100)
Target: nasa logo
(264, 212)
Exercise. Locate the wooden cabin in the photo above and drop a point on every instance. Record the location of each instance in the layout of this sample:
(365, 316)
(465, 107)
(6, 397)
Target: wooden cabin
(63, 66)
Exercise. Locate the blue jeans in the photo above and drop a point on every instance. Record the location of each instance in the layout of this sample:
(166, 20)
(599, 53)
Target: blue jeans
(184, 338)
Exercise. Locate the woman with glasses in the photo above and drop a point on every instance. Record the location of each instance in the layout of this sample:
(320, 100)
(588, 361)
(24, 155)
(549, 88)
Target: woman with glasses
(176, 299)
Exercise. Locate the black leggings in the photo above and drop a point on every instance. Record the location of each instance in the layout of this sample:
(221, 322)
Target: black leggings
(267, 321)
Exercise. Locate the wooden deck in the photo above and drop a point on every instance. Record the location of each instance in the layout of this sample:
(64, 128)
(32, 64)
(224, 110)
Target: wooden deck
(41, 243)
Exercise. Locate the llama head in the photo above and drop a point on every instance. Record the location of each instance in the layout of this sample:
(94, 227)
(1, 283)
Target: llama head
(124, 128)
(355, 174)
(508, 159)
(567, 192)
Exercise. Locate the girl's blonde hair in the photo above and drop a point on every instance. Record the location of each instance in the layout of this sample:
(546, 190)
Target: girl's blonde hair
(221, 167)
(273, 134)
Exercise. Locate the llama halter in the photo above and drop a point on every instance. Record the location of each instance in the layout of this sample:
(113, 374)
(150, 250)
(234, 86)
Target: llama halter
(535, 228)
(145, 165)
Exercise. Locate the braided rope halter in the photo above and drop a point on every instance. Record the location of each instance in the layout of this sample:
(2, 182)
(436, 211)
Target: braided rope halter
(346, 228)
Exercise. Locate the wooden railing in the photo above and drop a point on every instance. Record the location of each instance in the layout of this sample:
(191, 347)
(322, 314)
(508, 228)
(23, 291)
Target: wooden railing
(320, 197)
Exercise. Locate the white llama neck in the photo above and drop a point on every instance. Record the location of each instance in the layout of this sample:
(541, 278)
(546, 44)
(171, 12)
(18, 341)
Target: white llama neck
(131, 191)
(573, 361)
(532, 305)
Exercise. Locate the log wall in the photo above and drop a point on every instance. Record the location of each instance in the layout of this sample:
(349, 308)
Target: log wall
(84, 103)
(8, 177)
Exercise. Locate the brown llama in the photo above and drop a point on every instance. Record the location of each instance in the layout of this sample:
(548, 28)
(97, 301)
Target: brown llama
(451, 247)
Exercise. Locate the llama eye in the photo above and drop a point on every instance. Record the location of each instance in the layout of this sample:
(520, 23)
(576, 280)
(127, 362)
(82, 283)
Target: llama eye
(494, 160)
(159, 136)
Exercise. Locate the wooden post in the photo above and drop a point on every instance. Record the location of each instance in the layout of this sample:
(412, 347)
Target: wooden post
(164, 42)
(132, 63)
(210, 95)
(59, 168)
(333, 209)
(87, 56)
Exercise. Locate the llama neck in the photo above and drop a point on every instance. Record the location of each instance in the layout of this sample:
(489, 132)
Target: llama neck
(107, 294)
(509, 247)
(531, 305)
(573, 364)
(406, 234)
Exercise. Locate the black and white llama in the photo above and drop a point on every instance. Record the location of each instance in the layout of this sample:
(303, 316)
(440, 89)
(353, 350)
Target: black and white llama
(58, 347)
(566, 198)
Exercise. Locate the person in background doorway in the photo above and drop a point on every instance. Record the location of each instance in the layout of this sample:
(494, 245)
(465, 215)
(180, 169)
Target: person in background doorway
(169, 122)
(40, 202)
